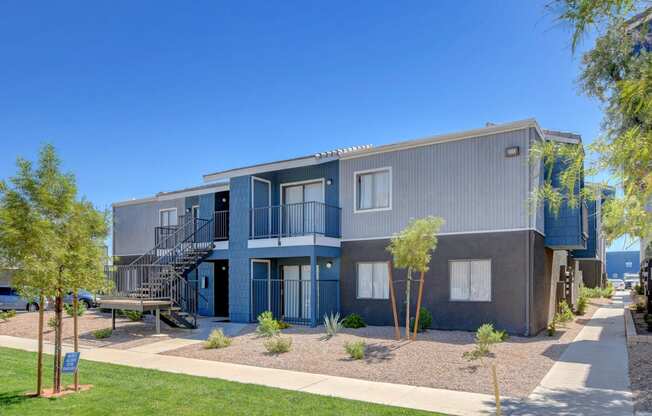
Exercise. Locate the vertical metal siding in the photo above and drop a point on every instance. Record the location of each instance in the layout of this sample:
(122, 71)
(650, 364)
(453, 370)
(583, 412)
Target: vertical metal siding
(470, 183)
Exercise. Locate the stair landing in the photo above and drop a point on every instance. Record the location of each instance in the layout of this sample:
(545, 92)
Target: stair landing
(141, 305)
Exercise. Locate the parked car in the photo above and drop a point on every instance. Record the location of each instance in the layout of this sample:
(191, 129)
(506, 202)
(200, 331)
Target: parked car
(619, 284)
(87, 298)
(631, 280)
(10, 299)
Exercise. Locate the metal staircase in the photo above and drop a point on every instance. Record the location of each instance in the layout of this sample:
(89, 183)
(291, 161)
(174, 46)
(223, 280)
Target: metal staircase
(160, 276)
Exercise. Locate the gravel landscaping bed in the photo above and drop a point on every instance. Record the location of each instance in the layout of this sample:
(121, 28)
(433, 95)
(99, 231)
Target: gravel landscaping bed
(640, 368)
(127, 334)
(434, 360)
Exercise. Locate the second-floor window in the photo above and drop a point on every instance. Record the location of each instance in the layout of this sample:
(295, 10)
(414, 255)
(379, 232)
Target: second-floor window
(167, 217)
(373, 190)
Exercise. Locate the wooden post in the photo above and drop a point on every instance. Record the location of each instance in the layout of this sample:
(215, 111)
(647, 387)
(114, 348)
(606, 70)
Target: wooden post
(158, 321)
(39, 364)
(496, 391)
(75, 305)
(416, 318)
(113, 319)
(393, 300)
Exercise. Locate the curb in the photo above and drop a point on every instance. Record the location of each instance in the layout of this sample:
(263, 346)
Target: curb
(633, 338)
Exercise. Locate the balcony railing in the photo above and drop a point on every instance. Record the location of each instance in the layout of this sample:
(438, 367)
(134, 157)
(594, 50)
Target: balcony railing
(169, 236)
(293, 220)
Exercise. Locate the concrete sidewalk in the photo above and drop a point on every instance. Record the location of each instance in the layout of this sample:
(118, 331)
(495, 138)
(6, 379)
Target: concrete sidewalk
(592, 375)
(422, 398)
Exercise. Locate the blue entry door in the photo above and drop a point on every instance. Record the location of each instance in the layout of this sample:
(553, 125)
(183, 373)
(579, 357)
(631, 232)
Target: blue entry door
(260, 287)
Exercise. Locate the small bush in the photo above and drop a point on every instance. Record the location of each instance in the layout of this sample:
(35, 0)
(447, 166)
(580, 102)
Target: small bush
(582, 303)
(81, 309)
(332, 325)
(278, 344)
(283, 325)
(102, 333)
(504, 336)
(552, 328)
(353, 321)
(356, 349)
(133, 316)
(565, 313)
(425, 320)
(640, 307)
(608, 290)
(52, 322)
(267, 325)
(485, 337)
(5, 316)
(217, 339)
(639, 289)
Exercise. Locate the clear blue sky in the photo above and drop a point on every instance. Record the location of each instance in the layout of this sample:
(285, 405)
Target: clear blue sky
(146, 96)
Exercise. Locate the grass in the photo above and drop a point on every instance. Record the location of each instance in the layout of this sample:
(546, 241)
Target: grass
(137, 392)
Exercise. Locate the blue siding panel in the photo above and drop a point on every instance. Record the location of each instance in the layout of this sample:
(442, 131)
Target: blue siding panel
(618, 263)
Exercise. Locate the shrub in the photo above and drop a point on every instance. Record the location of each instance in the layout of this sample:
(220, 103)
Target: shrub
(355, 349)
(581, 305)
(332, 325)
(81, 309)
(133, 316)
(639, 289)
(267, 325)
(552, 328)
(565, 313)
(425, 320)
(278, 344)
(5, 316)
(640, 307)
(217, 339)
(52, 322)
(608, 290)
(353, 321)
(102, 333)
(504, 336)
(485, 337)
(283, 325)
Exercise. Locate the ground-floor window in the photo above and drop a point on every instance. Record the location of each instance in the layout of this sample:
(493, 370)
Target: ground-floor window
(373, 280)
(470, 280)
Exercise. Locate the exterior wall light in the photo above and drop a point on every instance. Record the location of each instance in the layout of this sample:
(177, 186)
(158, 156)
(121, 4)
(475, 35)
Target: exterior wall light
(329, 264)
(329, 181)
(512, 151)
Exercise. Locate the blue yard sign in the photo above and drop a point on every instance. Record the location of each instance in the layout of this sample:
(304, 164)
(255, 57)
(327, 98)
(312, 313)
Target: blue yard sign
(70, 362)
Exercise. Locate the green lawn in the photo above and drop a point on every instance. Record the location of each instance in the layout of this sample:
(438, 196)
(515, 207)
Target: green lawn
(120, 390)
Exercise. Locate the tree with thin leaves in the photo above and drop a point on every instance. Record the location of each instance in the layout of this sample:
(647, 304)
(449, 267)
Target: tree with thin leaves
(485, 338)
(616, 71)
(412, 250)
(52, 240)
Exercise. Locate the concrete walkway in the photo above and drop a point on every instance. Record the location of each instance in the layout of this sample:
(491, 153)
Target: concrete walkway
(591, 376)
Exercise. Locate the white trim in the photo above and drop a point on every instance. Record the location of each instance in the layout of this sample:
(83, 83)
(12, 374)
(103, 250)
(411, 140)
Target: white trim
(451, 233)
(444, 138)
(306, 182)
(251, 278)
(168, 209)
(355, 189)
(269, 203)
(220, 245)
(267, 167)
(167, 196)
(491, 278)
(357, 279)
(304, 240)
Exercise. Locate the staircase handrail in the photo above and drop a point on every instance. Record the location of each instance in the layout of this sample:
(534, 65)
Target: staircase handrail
(153, 252)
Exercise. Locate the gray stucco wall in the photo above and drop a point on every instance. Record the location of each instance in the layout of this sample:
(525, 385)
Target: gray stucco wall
(509, 273)
(133, 225)
(470, 183)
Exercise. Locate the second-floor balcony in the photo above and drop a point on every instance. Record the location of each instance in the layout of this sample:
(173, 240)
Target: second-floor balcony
(295, 220)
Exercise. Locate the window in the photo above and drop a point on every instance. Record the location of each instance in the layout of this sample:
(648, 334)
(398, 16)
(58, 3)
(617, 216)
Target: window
(628, 264)
(373, 281)
(373, 190)
(167, 217)
(470, 280)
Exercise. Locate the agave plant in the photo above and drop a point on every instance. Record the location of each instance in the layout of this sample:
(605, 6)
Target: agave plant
(332, 325)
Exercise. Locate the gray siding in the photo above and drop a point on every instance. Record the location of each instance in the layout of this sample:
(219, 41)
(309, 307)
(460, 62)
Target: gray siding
(133, 225)
(470, 183)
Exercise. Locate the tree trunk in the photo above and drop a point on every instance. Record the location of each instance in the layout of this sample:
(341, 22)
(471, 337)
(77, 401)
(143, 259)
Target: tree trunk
(496, 391)
(407, 303)
(39, 359)
(75, 305)
(58, 311)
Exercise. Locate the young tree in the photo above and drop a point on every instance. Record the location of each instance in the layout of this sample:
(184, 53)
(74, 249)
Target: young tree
(485, 337)
(412, 250)
(52, 238)
(618, 73)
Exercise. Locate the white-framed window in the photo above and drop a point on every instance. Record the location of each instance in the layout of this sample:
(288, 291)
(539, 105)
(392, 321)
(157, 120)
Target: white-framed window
(373, 280)
(628, 264)
(470, 280)
(373, 190)
(167, 217)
